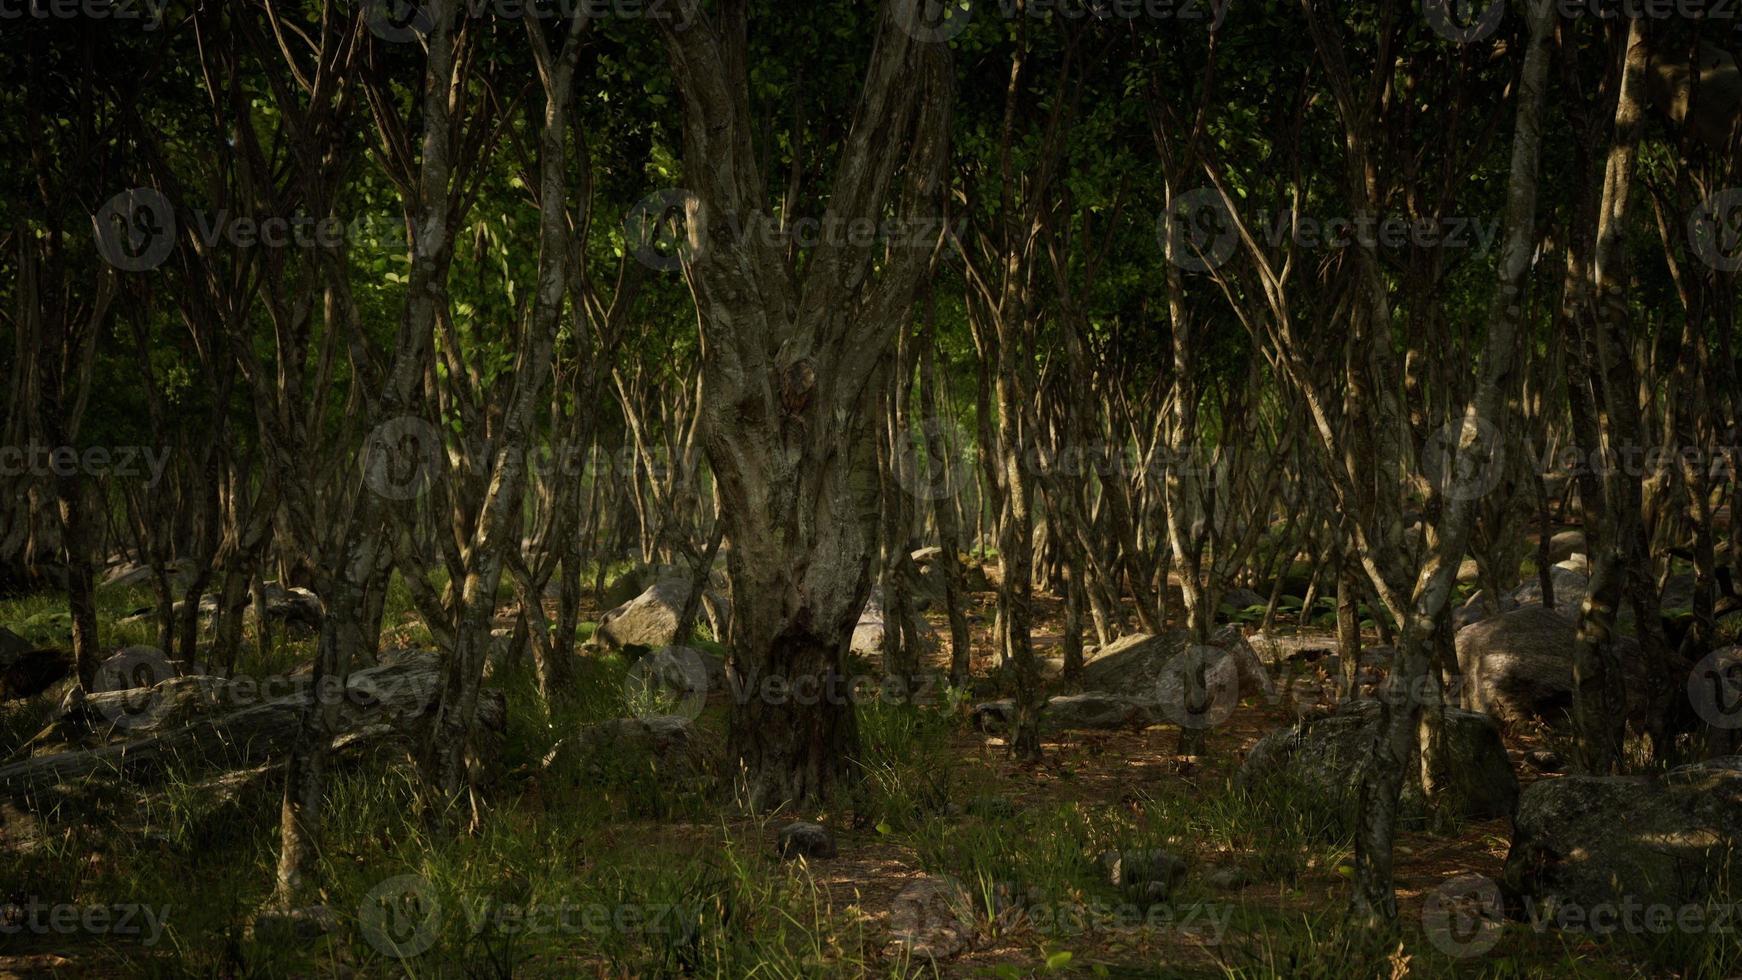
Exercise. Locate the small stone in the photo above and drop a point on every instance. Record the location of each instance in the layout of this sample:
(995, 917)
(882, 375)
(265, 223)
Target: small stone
(1228, 879)
(808, 840)
(1544, 760)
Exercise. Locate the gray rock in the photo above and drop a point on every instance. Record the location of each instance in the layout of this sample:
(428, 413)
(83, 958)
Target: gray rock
(1326, 756)
(1565, 544)
(1544, 760)
(1569, 592)
(1090, 710)
(1148, 667)
(1590, 840)
(1144, 877)
(1479, 607)
(1241, 599)
(932, 919)
(297, 607)
(650, 619)
(807, 840)
(1577, 563)
(1518, 666)
(1228, 879)
(868, 633)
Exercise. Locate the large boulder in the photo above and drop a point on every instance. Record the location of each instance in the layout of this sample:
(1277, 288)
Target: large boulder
(1478, 607)
(299, 608)
(1570, 588)
(1583, 841)
(1149, 667)
(1565, 544)
(1325, 757)
(874, 622)
(1518, 666)
(27, 674)
(1088, 711)
(650, 619)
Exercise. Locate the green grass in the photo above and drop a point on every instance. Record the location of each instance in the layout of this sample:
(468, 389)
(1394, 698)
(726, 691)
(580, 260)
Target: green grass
(599, 863)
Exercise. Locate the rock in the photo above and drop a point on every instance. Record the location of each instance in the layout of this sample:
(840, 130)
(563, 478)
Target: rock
(1228, 879)
(868, 633)
(1325, 756)
(1518, 666)
(1590, 840)
(299, 608)
(1569, 592)
(209, 722)
(1678, 594)
(1479, 607)
(1148, 667)
(27, 674)
(974, 577)
(684, 670)
(932, 919)
(1239, 600)
(1564, 544)
(1469, 570)
(1092, 710)
(139, 667)
(1577, 563)
(1144, 877)
(807, 840)
(650, 619)
(13, 648)
(670, 741)
(1544, 760)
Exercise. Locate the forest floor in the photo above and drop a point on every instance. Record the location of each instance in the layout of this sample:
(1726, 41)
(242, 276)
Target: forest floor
(601, 867)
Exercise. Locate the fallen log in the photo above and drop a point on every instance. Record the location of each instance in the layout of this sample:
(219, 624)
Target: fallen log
(205, 722)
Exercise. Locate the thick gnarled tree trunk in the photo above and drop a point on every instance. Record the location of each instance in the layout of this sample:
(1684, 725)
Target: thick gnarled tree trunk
(794, 354)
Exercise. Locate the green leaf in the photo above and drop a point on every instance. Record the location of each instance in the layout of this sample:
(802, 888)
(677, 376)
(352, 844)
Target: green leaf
(1059, 960)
